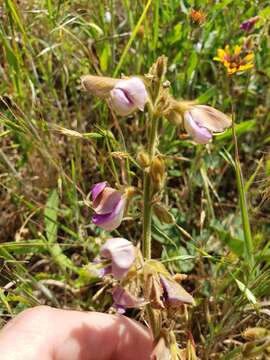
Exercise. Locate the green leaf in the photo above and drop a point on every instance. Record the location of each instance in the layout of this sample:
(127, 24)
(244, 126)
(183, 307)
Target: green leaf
(235, 244)
(50, 213)
(209, 94)
(242, 128)
(51, 227)
(248, 294)
(14, 12)
(193, 61)
(104, 58)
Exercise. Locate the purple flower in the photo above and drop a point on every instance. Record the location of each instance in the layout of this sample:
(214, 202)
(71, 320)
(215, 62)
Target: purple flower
(174, 294)
(200, 121)
(124, 300)
(109, 206)
(121, 254)
(128, 95)
(248, 24)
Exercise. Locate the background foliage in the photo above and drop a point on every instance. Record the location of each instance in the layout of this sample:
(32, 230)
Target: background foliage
(56, 141)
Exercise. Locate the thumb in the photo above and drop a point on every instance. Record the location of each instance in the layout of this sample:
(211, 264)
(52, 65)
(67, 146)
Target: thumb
(73, 335)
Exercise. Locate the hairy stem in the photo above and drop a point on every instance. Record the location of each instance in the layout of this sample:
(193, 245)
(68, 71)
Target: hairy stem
(147, 191)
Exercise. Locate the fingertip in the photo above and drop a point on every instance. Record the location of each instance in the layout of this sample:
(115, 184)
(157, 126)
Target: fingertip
(135, 340)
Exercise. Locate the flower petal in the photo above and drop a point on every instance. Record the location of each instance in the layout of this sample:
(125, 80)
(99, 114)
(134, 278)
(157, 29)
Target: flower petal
(249, 57)
(122, 254)
(174, 294)
(210, 118)
(198, 133)
(136, 91)
(107, 200)
(237, 50)
(111, 221)
(121, 103)
(123, 299)
(97, 189)
(129, 95)
(248, 24)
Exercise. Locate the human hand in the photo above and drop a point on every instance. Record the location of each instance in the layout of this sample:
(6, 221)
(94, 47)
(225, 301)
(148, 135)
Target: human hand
(45, 333)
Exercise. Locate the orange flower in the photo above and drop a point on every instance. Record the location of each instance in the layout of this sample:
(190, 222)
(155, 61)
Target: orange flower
(233, 61)
(197, 16)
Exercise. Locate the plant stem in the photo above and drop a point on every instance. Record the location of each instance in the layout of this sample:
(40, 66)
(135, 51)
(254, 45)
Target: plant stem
(147, 191)
(249, 256)
(249, 248)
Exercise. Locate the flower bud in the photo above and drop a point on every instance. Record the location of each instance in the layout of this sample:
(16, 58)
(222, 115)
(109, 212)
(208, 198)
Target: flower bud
(130, 191)
(176, 109)
(98, 85)
(157, 172)
(174, 117)
(248, 24)
(255, 333)
(107, 17)
(128, 96)
(143, 159)
(141, 31)
(161, 66)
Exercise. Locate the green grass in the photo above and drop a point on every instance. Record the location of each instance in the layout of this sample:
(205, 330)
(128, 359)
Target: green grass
(46, 170)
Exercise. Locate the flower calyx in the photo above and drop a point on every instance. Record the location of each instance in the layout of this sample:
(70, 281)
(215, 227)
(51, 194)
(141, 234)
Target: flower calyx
(157, 172)
(161, 290)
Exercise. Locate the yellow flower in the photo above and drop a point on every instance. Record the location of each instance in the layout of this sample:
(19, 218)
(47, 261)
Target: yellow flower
(234, 61)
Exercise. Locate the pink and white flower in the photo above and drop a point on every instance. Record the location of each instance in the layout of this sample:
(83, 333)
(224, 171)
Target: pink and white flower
(201, 121)
(109, 206)
(120, 253)
(128, 95)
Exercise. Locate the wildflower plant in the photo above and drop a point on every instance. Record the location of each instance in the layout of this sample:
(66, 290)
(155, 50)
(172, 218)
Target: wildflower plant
(135, 279)
(235, 60)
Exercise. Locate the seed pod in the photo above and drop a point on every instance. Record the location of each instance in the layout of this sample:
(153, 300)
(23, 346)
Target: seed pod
(157, 172)
(143, 159)
(163, 214)
(255, 333)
